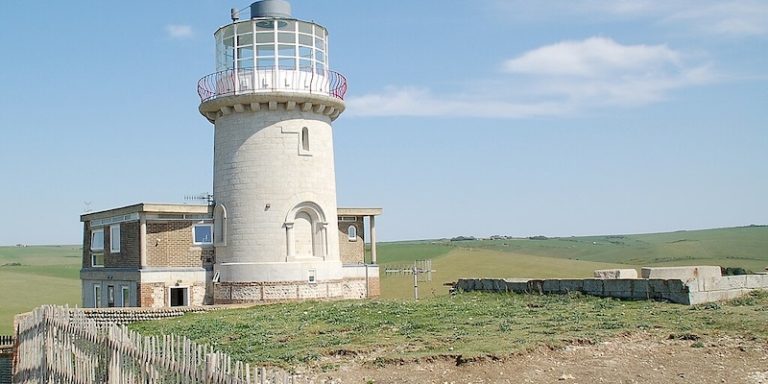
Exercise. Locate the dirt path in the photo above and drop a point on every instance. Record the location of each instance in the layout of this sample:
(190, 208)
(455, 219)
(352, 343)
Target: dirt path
(631, 359)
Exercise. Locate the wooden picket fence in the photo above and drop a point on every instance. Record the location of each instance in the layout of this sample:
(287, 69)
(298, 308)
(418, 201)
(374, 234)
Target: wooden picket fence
(62, 345)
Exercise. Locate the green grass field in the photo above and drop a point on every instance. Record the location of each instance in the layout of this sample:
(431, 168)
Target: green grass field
(50, 274)
(323, 334)
(32, 276)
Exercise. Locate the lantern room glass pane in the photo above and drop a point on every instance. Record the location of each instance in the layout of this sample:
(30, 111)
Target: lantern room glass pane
(265, 37)
(319, 43)
(305, 65)
(320, 67)
(265, 25)
(286, 25)
(245, 53)
(285, 37)
(268, 63)
(305, 52)
(286, 50)
(287, 63)
(305, 27)
(320, 56)
(245, 63)
(245, 39)
(228, 31)
(305, 40)
(265, 50)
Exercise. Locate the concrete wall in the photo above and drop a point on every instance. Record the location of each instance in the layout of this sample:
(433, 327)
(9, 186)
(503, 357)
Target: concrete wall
(674, 290)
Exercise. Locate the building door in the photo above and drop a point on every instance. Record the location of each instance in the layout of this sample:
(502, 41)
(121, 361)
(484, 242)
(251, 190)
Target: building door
(179, 297)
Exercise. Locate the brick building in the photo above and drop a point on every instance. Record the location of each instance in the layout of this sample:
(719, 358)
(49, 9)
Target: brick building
(158, 255)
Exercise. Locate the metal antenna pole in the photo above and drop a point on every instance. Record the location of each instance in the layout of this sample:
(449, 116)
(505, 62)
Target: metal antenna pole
(415, 282)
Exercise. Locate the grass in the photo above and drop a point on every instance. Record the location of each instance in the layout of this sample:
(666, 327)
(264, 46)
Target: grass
(32, 276)
(467, 325)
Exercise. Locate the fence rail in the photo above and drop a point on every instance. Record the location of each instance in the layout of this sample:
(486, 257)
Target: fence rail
(62, 345)
(257, 80)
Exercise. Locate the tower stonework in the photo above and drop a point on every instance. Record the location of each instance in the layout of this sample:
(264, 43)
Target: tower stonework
(272, 102)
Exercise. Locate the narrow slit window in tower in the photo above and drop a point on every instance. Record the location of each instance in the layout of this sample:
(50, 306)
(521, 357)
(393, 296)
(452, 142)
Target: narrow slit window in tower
(305, 139)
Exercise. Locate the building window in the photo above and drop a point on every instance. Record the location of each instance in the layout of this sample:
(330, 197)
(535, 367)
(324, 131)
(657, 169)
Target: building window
(114, 238)
(352, 233)
(97, 259)
(97, 240)
(312, 276)
(305, 139)
(348, 219)
(110, 296)
(126, 296)
(202, 234)
(220, 225)
(96, 295)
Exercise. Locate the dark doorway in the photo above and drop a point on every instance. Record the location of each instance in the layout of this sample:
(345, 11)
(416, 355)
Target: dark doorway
(178, 297)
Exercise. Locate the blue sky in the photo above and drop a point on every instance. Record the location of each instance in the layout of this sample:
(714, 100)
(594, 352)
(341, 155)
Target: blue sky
(463, 117)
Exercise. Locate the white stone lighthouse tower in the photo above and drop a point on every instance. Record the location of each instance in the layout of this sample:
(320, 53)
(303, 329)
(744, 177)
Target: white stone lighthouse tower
(272, 101)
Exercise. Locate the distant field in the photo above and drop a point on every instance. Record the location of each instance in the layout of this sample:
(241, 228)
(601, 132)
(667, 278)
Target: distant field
(745, 247)
(46, 275)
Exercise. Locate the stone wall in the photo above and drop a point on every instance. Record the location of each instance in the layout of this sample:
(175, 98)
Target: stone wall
(265, 292)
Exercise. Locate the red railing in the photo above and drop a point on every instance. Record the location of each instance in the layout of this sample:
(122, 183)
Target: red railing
(257, 80)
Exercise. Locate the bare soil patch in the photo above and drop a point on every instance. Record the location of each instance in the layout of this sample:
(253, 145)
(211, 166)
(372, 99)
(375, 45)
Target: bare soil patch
(636, 358)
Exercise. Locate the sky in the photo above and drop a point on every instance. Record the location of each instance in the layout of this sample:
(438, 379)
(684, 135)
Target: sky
(557, 118)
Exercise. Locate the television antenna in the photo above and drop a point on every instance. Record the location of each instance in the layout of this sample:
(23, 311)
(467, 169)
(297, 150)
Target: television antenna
(421, 270)
(205, 196)
(87, 207)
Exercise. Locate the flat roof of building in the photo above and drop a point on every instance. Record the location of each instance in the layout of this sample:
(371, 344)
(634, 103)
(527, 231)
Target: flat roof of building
(196, 209)
(148, 207)
(359, 211)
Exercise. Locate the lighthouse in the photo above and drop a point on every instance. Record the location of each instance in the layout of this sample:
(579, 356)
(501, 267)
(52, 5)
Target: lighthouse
(272, 100)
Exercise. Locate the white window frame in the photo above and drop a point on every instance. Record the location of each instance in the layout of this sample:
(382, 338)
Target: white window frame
(93, 260)
(93, 236)
(194, 238)
(312, 276)
(123, 296)
(352, 233)
(114, 229)
(97, 295)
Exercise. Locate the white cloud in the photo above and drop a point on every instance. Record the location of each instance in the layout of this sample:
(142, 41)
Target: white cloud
(592, 57)
(732, 18)
(178, 31)
(408, 101)
(557, 79)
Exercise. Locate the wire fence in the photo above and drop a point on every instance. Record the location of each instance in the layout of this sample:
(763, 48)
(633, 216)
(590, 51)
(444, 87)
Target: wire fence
(62, 345)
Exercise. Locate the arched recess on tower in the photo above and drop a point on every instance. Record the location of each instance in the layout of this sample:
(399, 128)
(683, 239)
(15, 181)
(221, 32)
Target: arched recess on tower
(306, 232)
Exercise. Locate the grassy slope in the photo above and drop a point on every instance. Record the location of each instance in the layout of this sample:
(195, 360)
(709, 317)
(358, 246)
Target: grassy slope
(47, 275)
(573, 256)
(468, 325)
